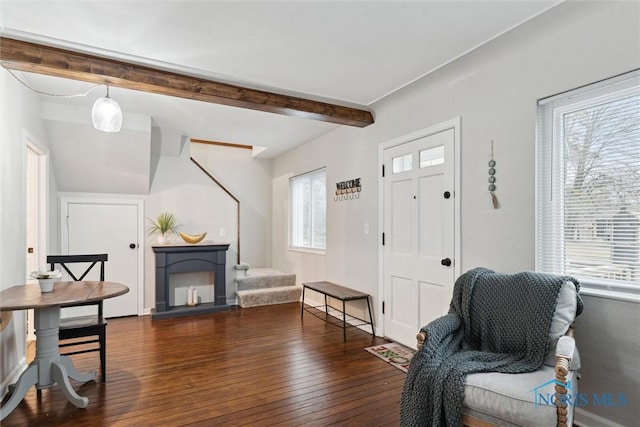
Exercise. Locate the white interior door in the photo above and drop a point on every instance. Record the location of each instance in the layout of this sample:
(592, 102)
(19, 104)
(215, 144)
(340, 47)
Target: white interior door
(112, 228)
(419, 233)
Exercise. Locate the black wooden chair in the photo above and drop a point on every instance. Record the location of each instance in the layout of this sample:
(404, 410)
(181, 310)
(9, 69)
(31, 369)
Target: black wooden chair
(92, 327)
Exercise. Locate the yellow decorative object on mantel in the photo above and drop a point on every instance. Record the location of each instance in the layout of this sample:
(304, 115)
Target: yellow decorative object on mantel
(192, 238)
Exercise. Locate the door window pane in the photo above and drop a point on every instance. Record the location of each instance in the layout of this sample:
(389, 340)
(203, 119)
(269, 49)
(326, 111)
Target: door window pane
(432, 156)
(403, 163)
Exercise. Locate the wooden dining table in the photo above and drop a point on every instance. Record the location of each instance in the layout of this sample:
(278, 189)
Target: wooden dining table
(49, 366)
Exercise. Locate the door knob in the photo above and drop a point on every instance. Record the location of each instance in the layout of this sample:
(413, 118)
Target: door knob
(446, 262)
(132, 245)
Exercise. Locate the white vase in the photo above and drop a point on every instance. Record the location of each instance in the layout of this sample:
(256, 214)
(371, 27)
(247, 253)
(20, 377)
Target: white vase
(46, 285)
(162, 239)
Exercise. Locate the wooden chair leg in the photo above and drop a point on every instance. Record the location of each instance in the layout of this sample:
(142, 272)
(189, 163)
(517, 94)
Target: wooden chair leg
(103, 355)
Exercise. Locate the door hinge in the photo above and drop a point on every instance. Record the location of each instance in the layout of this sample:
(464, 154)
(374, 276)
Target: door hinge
(67, 221)
(382, 239)
(382, 307)
(383, 170)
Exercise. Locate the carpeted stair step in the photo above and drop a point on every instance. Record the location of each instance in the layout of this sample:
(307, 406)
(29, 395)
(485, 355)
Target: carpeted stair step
(265, 286)
(260, 278)
(269, 295)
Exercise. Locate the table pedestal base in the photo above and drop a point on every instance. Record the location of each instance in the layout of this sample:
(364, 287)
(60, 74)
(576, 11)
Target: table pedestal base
(49, 367)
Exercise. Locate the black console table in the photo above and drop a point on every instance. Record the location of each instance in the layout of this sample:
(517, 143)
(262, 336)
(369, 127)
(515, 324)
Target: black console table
(187, 258)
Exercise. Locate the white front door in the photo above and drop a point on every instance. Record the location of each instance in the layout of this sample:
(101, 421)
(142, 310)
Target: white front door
(419, 233)
(112, 228)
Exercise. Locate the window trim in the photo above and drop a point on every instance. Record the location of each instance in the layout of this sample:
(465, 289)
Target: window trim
(608, 289)
(304, 249)
(549, 148)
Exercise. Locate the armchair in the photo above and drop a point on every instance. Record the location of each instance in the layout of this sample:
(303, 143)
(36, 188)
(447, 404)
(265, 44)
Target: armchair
(507, 346)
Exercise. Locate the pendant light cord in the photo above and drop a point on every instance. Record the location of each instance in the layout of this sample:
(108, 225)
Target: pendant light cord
(77, 95)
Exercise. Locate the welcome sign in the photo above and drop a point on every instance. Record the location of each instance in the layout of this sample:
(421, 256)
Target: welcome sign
(348, 189)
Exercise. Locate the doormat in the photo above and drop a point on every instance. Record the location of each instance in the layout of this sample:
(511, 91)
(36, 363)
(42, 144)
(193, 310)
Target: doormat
(394, 354)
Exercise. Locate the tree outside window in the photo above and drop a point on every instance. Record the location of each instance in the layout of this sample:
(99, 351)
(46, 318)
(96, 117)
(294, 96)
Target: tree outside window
(588, 176)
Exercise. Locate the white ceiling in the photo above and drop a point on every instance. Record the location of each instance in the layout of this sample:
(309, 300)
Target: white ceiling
(353, 53)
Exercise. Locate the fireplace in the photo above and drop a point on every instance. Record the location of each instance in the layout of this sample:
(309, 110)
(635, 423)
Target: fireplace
(187, 258)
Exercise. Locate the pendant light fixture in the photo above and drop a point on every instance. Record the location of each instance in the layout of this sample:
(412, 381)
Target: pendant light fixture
(106, 114)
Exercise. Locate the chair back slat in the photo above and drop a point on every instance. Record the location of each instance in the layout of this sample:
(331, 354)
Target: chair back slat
(63, 260)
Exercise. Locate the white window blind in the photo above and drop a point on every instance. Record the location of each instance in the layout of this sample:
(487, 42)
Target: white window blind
(308, 207)
(588, 186)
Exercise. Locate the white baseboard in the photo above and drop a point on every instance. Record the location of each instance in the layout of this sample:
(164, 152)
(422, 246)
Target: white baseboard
(20, 367)
(584, 418)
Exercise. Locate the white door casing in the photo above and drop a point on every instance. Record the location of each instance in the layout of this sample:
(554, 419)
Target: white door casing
(420, 222)
(37, 184)
(33, 211)
(91, 226)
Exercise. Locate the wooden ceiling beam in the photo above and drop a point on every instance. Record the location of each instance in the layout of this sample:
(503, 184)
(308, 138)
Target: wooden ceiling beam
(41, 59)
(222, 144)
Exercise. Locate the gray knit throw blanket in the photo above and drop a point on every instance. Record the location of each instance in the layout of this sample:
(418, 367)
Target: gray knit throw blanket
(496, 323)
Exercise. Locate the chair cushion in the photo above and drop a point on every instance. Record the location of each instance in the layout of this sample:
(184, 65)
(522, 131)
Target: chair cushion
(563, 317)
(515, 399)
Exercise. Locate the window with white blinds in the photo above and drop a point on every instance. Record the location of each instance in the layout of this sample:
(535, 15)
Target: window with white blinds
(308, 211)
(588, 186)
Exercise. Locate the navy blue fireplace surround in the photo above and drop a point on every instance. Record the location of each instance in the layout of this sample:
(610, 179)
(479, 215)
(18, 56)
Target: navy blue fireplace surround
(189, 258)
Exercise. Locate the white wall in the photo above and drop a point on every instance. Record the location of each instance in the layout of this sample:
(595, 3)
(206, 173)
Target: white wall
(248, 179)
(494, 90)
(199, 205)
(88, 160)
(181, 188)
(351, 255)
(20, 113)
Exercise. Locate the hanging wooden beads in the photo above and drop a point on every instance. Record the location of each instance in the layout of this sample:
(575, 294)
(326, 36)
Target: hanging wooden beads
(492, 180)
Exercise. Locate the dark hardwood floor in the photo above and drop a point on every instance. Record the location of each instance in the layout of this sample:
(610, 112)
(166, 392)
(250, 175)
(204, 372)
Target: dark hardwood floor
(259, 366)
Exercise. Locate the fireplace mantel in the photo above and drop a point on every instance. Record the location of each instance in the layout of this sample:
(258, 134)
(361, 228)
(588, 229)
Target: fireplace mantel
(187, 258)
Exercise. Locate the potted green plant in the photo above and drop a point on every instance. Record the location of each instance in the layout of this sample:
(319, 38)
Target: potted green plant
(165, 222)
